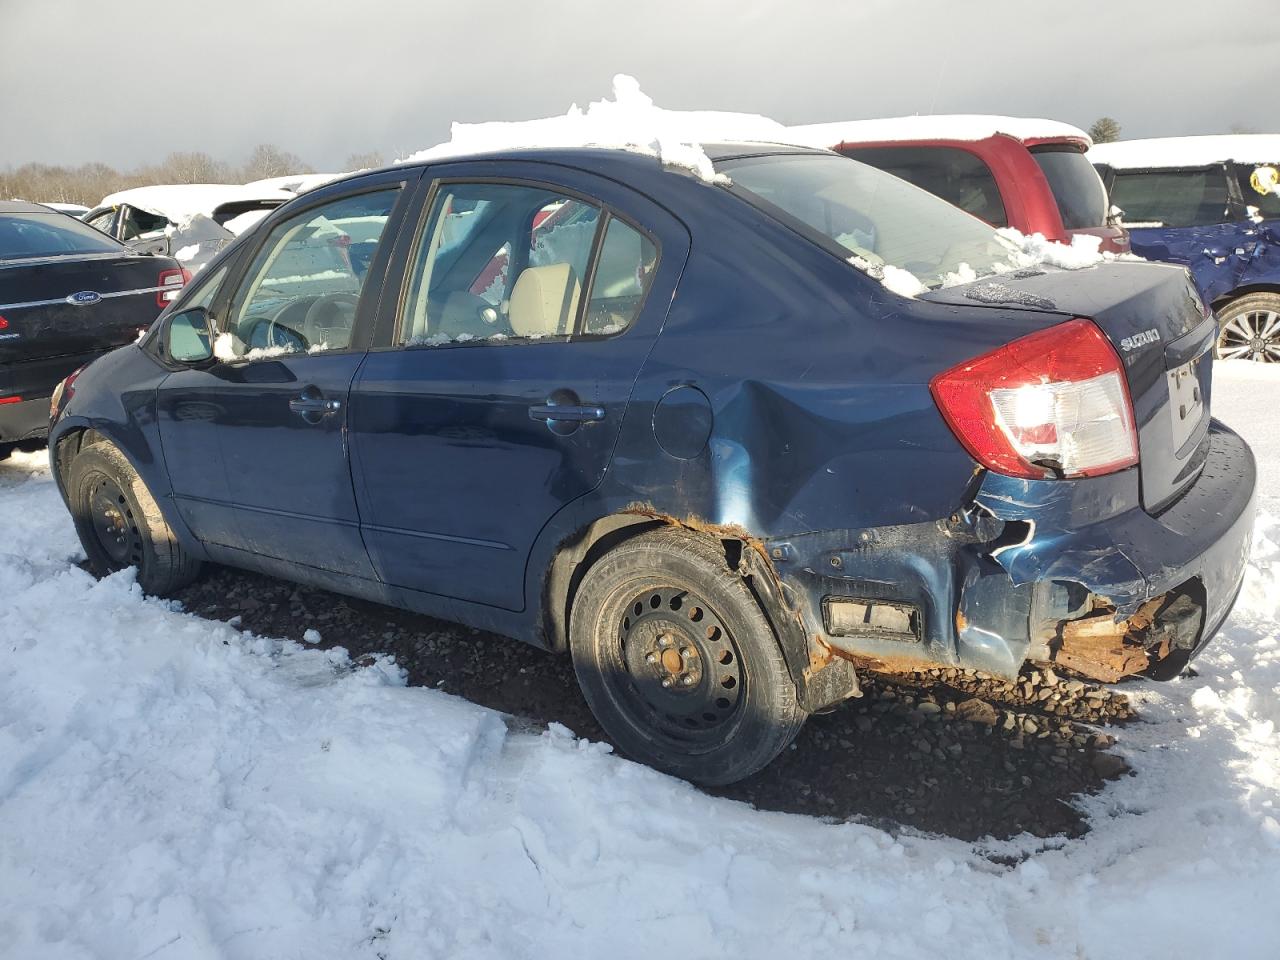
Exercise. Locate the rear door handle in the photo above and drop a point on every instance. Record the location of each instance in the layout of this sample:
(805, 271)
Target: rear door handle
(576, 413)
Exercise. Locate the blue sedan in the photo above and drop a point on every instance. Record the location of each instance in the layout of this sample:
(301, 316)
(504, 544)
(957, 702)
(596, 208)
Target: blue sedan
(726, 441)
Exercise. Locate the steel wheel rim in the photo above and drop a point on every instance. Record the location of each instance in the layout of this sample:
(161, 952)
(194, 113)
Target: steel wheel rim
(114, 526)
(1252, 335)
(678, 672)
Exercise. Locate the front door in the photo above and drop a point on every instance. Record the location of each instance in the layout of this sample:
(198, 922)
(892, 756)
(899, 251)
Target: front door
(529, 307)
(257, 441)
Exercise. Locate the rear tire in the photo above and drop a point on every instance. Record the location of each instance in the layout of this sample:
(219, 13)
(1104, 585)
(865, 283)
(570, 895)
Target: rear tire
(120, 525)
(1249, 329)
(677, 660)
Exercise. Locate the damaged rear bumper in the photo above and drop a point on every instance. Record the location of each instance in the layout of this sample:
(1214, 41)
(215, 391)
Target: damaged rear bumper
(1073, 572)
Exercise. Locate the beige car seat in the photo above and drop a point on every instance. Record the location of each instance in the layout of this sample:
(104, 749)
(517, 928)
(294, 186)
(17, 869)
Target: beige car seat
(544, 301)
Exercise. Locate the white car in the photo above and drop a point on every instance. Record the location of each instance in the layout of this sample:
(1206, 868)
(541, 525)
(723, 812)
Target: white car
(190, 222)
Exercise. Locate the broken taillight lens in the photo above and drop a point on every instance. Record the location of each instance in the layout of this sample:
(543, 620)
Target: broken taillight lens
(1051, 404)
(170, 283)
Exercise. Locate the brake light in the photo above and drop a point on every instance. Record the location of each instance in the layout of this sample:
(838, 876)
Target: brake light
(10, 399)
(170, 282)
(64, 391)
(3, 323)
(1051, 404)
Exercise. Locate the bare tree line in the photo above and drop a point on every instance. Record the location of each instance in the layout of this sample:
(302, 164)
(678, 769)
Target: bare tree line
(90, 182)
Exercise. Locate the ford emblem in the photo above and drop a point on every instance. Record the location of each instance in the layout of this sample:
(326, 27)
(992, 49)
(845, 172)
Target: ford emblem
(84, 298)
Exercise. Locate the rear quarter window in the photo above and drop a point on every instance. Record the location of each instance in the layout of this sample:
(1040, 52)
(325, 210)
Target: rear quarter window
(961, 178)
(1076, 186)
(49, 234)
(1172, 198)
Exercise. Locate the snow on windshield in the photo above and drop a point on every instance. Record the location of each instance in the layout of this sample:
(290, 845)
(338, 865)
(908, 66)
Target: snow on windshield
(630, 121)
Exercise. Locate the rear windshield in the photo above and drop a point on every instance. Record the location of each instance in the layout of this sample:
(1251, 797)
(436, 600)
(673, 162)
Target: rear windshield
(1082, 199)
(957, 176)
(1268, 202)
(1172, 198)
(49, 234)
(866, 212)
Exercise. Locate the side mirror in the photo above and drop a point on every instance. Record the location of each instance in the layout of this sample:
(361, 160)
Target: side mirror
(187, 336)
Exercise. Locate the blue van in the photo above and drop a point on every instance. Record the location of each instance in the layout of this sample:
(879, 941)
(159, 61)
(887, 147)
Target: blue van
(1211, 204)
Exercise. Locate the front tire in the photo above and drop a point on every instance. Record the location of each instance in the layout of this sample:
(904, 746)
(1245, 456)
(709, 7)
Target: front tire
(1249, 329)
(677, 660)
(120, 525)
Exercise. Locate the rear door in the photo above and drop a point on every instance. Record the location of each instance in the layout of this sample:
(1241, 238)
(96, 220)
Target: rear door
(533, 295)
(256, 442)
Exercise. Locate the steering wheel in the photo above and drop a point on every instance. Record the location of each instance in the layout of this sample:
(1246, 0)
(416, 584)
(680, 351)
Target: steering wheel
(258, 333)
(327, 314)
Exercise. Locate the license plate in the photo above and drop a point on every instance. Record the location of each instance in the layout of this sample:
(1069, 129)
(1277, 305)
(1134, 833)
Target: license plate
(1186, 401)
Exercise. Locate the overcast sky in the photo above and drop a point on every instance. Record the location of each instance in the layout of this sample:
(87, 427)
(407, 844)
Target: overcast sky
(127, 81)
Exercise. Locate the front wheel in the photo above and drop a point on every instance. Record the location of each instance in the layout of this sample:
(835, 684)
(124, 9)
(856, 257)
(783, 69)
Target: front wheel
(1249, 329)
(120, 525)
(677, 660)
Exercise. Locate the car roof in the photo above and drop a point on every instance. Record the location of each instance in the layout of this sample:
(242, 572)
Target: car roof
(23, 206)
(1166, 152)
(181, 201)
(960, 127)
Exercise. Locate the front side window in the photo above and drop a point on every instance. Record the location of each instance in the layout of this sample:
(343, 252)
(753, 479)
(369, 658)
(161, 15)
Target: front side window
(140, 223)
(957, 176)
(301, 292)
(103, 221)
(878, 218)
(499, 262)
(1076, 186)
(49, 234)
(1172, 198)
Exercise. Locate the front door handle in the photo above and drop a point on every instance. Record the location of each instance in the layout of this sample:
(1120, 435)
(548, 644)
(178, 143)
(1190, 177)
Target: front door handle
(313, 406)
(571, 412)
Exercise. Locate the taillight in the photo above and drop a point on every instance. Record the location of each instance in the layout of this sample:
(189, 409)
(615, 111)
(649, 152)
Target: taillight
(3, 323)
(64, 391)
(171, 281)
(1051, 404)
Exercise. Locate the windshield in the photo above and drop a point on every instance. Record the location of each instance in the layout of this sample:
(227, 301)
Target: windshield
(1082, 199)
(869, 213)
(24, 235)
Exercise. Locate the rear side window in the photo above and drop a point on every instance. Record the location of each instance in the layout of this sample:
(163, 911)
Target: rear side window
(1082, 199)
(957, 176)
(499, 262)
(1172, 198)
(49, 235)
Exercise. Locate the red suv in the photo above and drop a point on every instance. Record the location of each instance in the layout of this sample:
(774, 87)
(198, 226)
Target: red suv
(1031, 175)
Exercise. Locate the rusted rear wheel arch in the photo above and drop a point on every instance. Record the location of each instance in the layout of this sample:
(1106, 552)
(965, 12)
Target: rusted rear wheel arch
(820, 679)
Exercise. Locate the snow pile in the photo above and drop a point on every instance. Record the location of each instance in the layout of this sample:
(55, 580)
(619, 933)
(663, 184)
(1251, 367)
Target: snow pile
(1259, 148)
(171, 787)
(179, 202)
(1024, 252)
(630, 121)
(962, 127)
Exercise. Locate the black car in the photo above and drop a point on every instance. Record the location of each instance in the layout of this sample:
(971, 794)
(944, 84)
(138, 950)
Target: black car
(68, 294)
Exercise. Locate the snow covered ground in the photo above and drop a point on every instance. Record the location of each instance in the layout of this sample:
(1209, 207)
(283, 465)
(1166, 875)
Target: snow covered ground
(173, 788)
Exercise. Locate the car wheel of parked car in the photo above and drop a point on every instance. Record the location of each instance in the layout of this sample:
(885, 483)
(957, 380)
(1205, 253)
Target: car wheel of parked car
(678, 662)
(1249, 329)
(120, 525)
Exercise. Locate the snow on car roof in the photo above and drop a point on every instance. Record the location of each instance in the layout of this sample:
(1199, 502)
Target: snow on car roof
(1188, 151)
(180, 202)
(955, 126)
(294, 183)
(630, 121)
